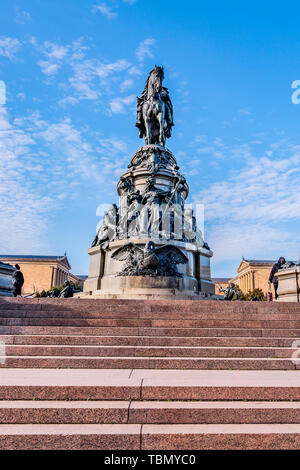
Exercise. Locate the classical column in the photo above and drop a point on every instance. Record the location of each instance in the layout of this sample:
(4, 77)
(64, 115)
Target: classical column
(52, 277)
(56, 276)
(252, 280)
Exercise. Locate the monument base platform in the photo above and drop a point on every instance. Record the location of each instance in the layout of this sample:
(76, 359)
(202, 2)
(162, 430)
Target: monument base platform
(6, 272)
(150, 287)
(289, 284)
(166, 295)
(105, 281)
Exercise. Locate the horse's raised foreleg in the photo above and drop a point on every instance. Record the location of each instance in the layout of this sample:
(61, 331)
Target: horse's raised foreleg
(161, 120)
(148, 132)
(147, 125)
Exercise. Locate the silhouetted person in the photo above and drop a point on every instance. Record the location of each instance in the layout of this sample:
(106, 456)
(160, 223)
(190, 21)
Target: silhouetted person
(229, 292)
(17, 281)
(272, 278)
(67, 291)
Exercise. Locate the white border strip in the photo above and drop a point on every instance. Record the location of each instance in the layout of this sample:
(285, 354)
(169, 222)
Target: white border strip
(2, 352)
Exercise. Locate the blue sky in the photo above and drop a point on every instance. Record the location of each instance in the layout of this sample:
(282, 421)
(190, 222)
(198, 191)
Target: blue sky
(72, 70)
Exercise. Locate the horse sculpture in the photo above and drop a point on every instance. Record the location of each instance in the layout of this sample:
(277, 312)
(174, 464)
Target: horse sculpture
(155, 110)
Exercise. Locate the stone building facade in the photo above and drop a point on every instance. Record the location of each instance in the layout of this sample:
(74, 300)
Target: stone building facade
(251, 274)
(42, 272)
(222, 282)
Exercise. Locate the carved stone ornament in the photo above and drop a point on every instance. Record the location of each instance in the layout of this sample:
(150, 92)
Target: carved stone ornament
(150, 261)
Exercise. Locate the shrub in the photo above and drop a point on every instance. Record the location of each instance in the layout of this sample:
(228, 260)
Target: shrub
(251, 294)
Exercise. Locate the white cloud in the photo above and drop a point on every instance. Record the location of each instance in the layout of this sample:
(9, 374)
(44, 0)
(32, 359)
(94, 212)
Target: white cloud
(23, 211)
(134, 71)
(90, 78)
(128, 83)
(55, 55)
(106, 10)
(9, 47)
(230, 242)
(104, 70)
(48, 68)
(118, 105)
(55, 51)
(79, 49)
(21, 96)
(76, 153)
(68, 100)
(145, 49)
(40, 164)
(21, 16)
(256, 210)
(112, 143)
(85, 72)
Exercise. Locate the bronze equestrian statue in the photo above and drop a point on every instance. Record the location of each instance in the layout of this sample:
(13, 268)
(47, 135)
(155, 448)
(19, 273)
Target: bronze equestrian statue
(155, 110)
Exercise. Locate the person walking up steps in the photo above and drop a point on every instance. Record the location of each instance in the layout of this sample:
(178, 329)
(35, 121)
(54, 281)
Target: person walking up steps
(17, 281)
(272, 278)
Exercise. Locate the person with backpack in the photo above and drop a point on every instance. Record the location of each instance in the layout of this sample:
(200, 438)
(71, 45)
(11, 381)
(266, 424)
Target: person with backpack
(17, 281)
(272, 278)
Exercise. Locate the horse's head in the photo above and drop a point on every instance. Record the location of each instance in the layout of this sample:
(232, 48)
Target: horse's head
(155, 80)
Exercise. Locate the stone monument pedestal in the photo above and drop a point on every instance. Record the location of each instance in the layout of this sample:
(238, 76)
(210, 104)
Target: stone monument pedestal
(289, 284)
(93, 282)
(150, 246)
(6, 272)
(105, 278)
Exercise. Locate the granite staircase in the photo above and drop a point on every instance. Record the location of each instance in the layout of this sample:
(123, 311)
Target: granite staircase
(110, 374)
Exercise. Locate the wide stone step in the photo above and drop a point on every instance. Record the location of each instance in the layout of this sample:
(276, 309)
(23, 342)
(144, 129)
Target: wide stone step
(213, 412)
(155, 323)
(150, 331)
(64, 412)
(149, 436)
(220, 332)
(70, 436)
(145, 341)
(220, 436)
(59, 330)
(147, 412)
(69, 384)
(122, 384)
(149, 351)
(121, 313)
(79, 322)
(205, 306)
(147, 363)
